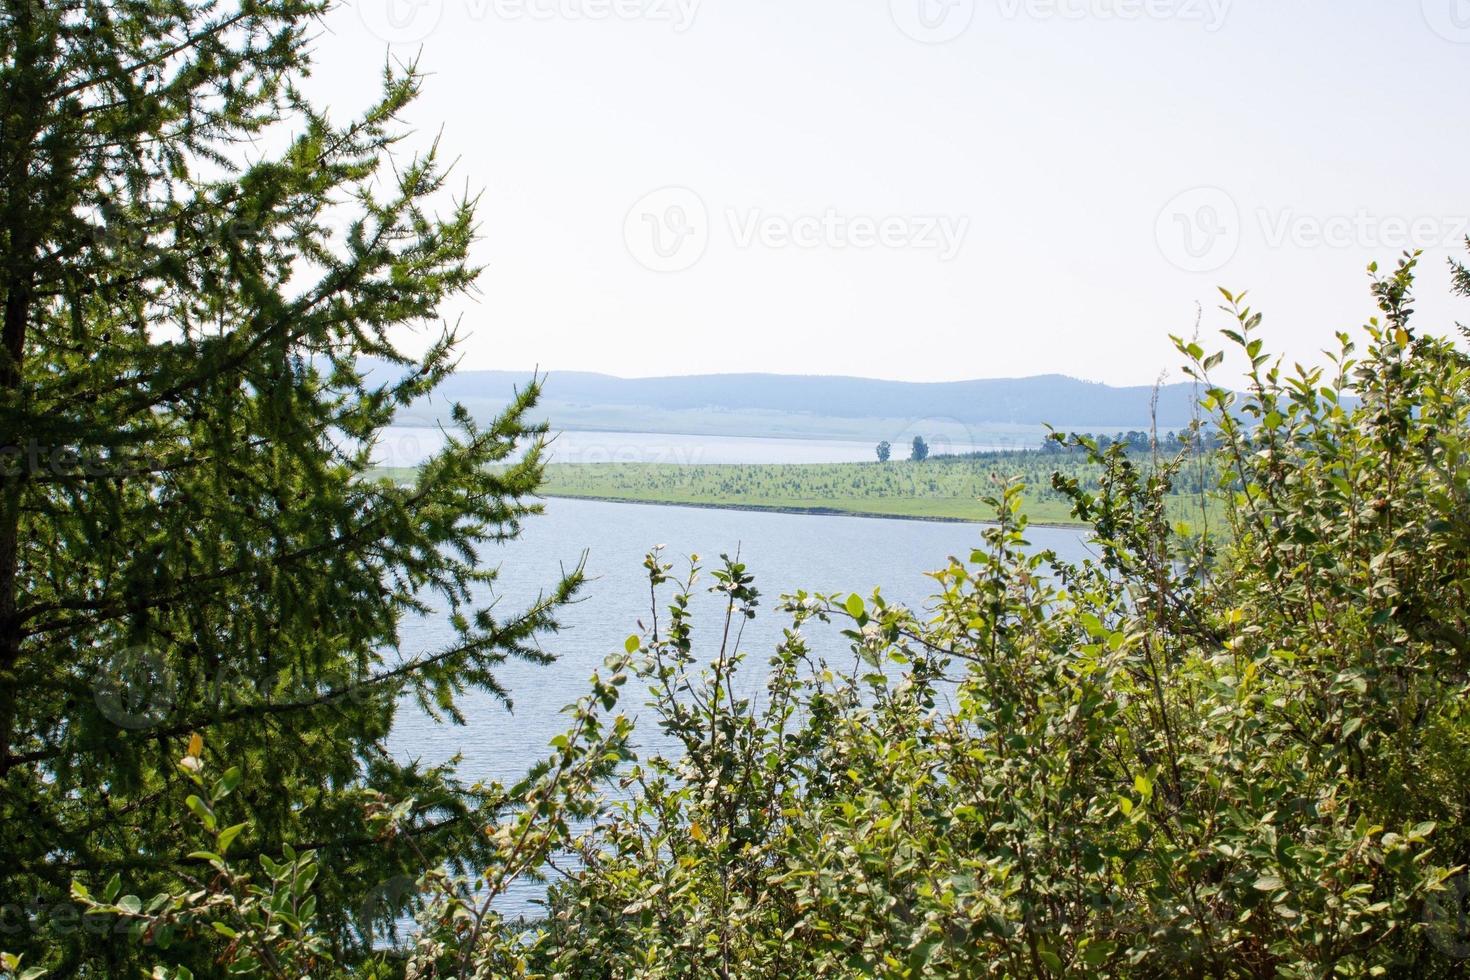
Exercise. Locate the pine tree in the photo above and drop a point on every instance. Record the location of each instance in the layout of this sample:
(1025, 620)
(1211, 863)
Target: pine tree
(192, 539)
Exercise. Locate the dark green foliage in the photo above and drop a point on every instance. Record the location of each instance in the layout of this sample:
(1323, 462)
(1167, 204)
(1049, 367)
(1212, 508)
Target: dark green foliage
(270, 921)
(920, 450)
(188, 540)
(885, 450)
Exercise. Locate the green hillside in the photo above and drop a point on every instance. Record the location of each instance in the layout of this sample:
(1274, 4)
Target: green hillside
(937, 489)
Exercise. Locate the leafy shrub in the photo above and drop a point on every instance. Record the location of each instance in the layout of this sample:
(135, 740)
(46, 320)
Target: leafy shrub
(1241, 755)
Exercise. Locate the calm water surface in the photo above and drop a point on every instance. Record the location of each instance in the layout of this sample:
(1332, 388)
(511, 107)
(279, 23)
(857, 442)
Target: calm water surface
(403, 445)
(785, 552)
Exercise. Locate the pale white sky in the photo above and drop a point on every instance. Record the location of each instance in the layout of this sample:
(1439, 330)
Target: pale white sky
(928, 189)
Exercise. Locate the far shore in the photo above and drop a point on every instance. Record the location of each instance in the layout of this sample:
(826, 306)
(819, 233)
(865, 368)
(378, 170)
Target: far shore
(809, 511)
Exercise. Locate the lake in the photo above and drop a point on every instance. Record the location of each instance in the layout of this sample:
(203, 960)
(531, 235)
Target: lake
(406, 445)
(784, 551)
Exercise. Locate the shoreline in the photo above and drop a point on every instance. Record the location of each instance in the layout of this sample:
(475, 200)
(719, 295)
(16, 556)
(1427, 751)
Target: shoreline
(799, 436)
(807, 511)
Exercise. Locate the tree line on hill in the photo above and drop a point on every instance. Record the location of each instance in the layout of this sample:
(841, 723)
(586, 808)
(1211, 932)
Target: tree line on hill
(1203, 439)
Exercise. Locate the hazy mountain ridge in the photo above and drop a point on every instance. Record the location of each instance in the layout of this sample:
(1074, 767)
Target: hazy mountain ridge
(1049, 398)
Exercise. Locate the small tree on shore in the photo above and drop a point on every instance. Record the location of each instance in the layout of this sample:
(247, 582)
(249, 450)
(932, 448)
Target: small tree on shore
(920, 451)
(885, 450)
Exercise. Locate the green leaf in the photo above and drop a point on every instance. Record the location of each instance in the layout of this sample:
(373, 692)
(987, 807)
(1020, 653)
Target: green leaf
(921, 955)
(226, 784)
(632, 643)
(202, 811)
(227, 837)
(855, 607)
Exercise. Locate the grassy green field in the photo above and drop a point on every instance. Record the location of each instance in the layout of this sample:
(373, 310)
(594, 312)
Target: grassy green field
(941, 489)
(938, 489)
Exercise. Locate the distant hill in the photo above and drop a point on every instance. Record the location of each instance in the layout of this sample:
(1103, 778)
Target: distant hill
(1026, 401)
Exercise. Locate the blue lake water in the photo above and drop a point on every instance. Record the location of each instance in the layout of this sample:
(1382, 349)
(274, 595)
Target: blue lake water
(785, 552)
(402, 445)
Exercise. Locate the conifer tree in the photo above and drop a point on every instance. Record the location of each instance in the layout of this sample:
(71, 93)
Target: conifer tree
(192, 540)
